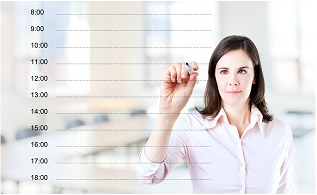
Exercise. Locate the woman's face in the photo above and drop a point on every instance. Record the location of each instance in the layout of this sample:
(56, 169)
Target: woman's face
(234, 75)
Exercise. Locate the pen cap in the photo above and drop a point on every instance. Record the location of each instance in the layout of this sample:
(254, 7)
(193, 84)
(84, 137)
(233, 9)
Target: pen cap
(189, 69)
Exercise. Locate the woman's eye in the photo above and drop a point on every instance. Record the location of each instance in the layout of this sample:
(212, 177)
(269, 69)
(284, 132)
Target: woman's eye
(242, 71)
(223, 72)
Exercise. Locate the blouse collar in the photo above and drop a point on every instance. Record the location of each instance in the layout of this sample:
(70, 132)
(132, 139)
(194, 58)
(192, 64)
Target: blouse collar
(256, 117)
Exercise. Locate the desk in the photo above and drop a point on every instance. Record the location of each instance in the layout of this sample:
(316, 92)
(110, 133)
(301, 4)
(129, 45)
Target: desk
(16, 156)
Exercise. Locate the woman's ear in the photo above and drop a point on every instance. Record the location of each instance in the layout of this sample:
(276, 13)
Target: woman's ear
(254, 81)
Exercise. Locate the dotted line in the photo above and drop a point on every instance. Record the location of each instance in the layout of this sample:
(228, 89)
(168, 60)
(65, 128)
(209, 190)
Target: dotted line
(120, 113)
(105, 96)
(125, 163)
(137, 30)
(111, 179)
(119, 63)
(133, 47)
(133, 14)
(130, 130)
(131, 146)
(119, 80)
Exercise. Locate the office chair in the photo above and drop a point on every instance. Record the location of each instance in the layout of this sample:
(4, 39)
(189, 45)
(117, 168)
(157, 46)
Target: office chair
(74, 123)
(101, 119)
(25, 133)
(3, 140)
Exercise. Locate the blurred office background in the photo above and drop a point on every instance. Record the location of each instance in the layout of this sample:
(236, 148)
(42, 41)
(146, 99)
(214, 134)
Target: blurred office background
(284, 33)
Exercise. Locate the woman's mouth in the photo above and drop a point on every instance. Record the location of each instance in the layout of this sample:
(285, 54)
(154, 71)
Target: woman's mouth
(234, 92)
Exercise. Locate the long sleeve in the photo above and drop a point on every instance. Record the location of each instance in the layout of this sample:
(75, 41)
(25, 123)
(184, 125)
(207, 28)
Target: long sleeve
(153, 173)
(288, 182)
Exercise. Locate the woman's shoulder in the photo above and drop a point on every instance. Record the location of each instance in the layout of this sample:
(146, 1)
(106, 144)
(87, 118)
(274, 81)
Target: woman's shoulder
(278, 127)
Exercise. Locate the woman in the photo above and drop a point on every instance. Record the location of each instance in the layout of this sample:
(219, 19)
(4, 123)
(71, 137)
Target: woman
(233, 145)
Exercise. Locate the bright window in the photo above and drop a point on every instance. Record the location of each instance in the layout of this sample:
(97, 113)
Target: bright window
(292, 45)
(56, 35)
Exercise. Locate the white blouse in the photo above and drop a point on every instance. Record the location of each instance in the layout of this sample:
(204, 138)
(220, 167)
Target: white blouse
(219, 161)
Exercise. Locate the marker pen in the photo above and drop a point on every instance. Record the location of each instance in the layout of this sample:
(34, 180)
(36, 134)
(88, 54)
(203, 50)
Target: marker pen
(191, 71)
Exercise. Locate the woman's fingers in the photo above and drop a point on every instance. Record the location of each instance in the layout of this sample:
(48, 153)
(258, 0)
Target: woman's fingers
(194, 65)
(179, 73)
(185, 74)
(178, 68)
(192, 81)
(172, 73)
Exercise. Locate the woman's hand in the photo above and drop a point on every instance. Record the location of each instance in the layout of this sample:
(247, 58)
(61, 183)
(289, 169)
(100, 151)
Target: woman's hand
(177, 87)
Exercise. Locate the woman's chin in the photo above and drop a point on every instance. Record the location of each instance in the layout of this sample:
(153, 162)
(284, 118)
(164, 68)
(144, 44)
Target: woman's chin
(235, 102)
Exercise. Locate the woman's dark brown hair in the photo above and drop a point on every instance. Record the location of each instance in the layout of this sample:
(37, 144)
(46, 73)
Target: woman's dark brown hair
(212, 97)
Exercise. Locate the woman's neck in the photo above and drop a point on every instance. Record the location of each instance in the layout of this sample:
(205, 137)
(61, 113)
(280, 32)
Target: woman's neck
(238, 115)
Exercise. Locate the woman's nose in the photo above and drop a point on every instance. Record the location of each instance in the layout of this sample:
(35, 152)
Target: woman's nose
(233, 81)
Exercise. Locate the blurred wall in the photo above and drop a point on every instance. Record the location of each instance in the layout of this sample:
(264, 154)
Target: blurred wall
(119, 39)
